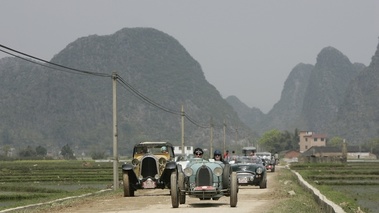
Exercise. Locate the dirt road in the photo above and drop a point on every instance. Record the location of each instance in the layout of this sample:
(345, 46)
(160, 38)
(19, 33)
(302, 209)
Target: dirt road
(250, 199)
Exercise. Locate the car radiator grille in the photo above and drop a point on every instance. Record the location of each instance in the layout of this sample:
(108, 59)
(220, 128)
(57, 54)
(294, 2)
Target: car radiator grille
(149, 167)
(204, 176)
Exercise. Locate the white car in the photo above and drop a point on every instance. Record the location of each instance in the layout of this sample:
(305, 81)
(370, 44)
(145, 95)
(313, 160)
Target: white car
(183, 159)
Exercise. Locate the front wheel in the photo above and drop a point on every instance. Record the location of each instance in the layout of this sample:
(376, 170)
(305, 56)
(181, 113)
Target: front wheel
(181, 183)
(128, 191)
(233, 189)
(174, 190)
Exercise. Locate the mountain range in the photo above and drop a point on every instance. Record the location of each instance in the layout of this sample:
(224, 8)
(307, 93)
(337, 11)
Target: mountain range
(334, 97)
(49, 105)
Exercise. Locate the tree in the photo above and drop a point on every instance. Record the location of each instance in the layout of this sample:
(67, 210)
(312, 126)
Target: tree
(67, 153)
(41, 151)
(28, 152)
(373, 146)
(335, 142)
(271, 140)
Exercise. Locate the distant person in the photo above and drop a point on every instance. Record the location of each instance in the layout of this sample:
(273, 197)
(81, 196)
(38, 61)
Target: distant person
(276, 158)
(226, 156)
(198, 153)
(234, 156)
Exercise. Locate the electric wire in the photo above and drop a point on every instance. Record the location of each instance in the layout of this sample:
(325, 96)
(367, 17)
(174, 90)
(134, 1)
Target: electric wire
(58, 65)
(144, 98)
(40, 64)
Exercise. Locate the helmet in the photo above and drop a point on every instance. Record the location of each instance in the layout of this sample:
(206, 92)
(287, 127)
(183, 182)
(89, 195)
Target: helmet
(217, 152)
(198, 151)
(163, 149)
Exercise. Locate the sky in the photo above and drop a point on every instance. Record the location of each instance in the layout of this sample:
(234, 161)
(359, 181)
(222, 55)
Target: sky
(246, 48)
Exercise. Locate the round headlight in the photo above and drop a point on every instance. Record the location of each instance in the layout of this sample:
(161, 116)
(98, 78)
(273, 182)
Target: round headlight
(162, 161)
(217, 171)
(135, 162)
(259, 170)
(188, 171)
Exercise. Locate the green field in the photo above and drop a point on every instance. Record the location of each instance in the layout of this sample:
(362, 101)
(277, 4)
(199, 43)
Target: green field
(350, 185)
(27, 182)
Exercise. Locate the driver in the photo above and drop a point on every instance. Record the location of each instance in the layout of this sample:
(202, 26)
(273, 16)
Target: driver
(198, 153)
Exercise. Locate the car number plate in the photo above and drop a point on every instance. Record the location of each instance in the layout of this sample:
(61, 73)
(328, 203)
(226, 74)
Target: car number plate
(242, 180)
(149, 184)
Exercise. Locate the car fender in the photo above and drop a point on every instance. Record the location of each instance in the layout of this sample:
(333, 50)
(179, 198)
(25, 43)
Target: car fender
(169, 168)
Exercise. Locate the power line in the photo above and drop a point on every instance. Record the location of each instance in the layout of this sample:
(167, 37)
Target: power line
(48, 62)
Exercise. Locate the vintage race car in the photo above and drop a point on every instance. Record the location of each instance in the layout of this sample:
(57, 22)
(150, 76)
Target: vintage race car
(205, 180)
(268, 160)
(250, 171)
(151, 167)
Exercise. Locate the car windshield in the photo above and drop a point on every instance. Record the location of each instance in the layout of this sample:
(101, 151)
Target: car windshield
(248, 159)
(185, 157)
(153, 149)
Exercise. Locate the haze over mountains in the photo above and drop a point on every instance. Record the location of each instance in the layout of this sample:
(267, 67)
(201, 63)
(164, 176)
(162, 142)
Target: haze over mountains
(333, 96)
(43, 106)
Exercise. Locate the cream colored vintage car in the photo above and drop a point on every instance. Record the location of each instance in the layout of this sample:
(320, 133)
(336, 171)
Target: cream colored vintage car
(151, 167)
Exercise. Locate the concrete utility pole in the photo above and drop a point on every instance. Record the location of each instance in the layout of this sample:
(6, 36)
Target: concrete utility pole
(115, 134)
(211, 142)
(224, 129)
(183, 151)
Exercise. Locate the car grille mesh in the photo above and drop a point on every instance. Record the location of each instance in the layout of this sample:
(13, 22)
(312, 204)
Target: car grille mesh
(204, 176)
(149, 167)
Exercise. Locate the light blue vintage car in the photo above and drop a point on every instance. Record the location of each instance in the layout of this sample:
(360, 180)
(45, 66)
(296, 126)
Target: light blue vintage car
(203, 179)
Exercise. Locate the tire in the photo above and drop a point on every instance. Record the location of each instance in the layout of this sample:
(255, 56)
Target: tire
(233, 190)
(263, 183)
(174, 190)
(226, 176)
(181, 184)
(128, 191)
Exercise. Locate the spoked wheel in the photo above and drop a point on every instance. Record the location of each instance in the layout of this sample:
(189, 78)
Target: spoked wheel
(174, 190)
(181, 184)
(128, 191)
(233, 189)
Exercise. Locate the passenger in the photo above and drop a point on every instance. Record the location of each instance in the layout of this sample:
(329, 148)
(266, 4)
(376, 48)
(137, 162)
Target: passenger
(198, 153)
(217, 156)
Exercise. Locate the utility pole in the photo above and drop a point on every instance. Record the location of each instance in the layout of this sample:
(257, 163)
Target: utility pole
(183, 151)
(211, 142)
(224, 129)
(115, 133)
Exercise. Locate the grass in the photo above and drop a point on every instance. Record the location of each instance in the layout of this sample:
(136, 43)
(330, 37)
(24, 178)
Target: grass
(300, 202)
(28, 182)
(353, 186)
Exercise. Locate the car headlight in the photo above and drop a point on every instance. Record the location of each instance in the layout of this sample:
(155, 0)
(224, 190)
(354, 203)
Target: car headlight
(135, 162)
(188, 171)
(259, 170)
(217, 171)
(162, 161)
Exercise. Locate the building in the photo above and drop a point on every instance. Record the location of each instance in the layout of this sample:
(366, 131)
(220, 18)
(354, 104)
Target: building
(187, 150)
(310, 139)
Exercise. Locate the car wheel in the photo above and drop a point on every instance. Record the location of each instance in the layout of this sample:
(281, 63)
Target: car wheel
(263, 183)
(233, 189)
(174, 190)
(128, 191)
(225, 176)
(182, 195)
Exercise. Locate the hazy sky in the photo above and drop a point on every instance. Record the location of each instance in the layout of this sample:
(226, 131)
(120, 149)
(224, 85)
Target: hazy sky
(245, 48)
